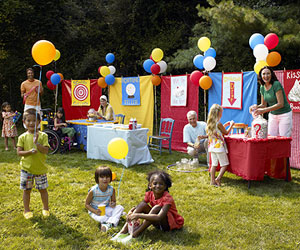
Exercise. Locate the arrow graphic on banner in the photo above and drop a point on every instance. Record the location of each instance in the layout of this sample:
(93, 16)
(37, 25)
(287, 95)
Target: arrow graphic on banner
(231, 99)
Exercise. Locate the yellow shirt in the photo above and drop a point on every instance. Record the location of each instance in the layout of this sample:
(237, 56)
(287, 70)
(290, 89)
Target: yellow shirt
(26, 86)
(108, 114)
(33, 164)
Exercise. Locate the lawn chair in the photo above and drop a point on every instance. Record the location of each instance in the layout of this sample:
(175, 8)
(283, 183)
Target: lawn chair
(239, 128)
(156, 142)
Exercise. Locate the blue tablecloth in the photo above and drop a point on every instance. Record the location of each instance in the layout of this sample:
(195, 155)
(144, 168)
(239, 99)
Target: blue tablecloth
(81, 129)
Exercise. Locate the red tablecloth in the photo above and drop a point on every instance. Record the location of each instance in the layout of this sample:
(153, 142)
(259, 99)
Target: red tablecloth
(252, 158)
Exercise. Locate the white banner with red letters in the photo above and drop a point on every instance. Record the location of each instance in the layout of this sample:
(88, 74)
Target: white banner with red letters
(232, 90)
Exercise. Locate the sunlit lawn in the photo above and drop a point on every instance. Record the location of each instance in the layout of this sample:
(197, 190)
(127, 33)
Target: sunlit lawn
(232, 217)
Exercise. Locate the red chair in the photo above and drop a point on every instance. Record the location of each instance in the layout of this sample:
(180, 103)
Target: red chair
(156, 142)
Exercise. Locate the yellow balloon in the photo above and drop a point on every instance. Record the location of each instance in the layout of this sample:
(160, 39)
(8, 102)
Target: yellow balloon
(104, 71)
(114, 176)
(117, 148)
(204, 43)
(157, 54)
(43, 52)
(259, 65)
(57, 55)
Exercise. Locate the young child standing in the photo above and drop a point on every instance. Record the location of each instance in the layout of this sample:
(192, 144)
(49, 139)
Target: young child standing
(158, 208)
(60, 123)
(103, 194)
(8, 128)
(32, 147)
(216, 143)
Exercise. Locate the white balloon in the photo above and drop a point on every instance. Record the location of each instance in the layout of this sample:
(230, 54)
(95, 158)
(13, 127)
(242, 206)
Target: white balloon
(209, 63)
(260, 52)
(112, 69)
(163, 66)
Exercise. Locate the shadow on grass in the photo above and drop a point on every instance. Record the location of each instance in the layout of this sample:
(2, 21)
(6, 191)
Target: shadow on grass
(269, 186)
(178, 237)
(54, 228)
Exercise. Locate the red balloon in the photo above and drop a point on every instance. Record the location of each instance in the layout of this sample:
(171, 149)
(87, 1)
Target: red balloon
(49, 74)
(195, 77)
(50, 85)
(155, 69)
(271, 40)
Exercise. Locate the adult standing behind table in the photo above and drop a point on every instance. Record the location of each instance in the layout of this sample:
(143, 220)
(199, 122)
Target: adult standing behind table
(105, 110)
(29, 91)
(194, 135)
(273, 100)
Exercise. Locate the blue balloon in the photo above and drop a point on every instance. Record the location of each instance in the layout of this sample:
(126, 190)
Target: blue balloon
(110, 79)
(256, 39)
(55, 79)
(110, 57)
(147, 65)
(198, 61)
(210, 52)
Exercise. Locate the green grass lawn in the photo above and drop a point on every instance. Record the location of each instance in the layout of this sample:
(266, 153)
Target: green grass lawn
(266, 216)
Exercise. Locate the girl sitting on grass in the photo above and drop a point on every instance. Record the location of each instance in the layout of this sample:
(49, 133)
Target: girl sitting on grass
(158, 208)
(103, 194)
(216, 143)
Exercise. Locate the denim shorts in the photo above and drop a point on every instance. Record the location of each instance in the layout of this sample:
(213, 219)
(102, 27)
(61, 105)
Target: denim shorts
(27, 180)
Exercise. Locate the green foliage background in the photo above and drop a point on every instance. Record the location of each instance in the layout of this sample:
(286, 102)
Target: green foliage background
(85, 31)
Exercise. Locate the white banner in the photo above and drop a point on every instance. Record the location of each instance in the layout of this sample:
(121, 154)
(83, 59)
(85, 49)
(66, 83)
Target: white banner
(232, 90)
(178, 90)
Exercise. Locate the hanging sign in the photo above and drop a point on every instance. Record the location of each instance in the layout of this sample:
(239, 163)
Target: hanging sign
(178, 90)
(80, 93)
(292, 88)
(232, 90)
(131, 91)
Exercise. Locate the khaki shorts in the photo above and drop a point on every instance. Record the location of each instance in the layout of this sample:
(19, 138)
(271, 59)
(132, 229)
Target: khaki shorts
(221, 158)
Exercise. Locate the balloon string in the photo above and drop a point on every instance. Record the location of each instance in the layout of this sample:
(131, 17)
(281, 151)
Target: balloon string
(120, 181)
(38, 99)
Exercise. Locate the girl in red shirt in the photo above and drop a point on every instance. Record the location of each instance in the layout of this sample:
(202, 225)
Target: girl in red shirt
(158, 208)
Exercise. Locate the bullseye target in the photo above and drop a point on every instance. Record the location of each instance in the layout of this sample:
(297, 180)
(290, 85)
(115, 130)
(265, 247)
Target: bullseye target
(80, 92)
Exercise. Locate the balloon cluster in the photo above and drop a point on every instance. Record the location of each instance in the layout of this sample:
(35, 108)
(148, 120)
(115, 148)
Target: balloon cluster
(44, 52)
(107, 72)
(155, 65)
(261, 46)
(53, 79)
(205, 62)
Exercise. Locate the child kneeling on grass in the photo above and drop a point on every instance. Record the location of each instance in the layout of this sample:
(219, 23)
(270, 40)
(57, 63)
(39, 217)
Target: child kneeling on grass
(103, 194)
(158, 208)
(33, 146)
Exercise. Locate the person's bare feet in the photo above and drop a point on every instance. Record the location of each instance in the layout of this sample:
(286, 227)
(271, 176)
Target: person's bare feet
(213, 184)
(218, 182)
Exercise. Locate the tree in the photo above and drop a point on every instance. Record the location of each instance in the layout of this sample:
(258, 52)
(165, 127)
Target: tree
(229, 26)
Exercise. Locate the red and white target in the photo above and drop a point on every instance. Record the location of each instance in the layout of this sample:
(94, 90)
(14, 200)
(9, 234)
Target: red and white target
(80, 92)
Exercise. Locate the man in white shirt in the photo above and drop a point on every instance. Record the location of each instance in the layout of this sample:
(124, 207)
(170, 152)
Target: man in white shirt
(194, 135)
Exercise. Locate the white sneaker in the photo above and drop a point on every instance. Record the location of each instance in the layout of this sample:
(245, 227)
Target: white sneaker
(118, 237)
(105, 227)
(127, 239)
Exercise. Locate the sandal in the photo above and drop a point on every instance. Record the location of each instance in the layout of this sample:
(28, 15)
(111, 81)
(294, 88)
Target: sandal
(46, 213)
(28, 215)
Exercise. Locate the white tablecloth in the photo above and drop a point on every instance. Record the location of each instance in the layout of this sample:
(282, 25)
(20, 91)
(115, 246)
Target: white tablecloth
(99, 137)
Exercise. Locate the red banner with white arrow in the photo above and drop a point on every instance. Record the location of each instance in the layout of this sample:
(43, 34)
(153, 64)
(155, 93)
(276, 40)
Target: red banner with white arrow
(232, 90)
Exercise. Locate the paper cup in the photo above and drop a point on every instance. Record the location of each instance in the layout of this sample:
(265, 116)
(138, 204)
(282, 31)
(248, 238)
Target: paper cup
(101, 207)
